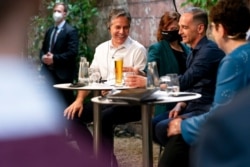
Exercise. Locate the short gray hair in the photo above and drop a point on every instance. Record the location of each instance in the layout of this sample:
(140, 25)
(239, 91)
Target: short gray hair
(118, 12)
(199, 15)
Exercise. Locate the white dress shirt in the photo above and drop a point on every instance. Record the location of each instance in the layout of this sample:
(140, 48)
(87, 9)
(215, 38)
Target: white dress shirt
(133, 53)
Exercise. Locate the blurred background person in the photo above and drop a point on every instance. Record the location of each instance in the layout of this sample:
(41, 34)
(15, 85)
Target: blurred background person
(59, 52)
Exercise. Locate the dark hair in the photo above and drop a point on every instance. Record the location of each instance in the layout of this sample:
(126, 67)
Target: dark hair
(63, 4)
(233, 15)
(199, 15)
(118, 12)
(166, 19)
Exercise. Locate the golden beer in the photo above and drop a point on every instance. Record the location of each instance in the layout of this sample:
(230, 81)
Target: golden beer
(118, 71)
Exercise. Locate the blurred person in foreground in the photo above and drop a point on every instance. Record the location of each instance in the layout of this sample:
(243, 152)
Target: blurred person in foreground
(134, 60)
(225, 138)
(31, 125)
(59, 52)
(229, 24)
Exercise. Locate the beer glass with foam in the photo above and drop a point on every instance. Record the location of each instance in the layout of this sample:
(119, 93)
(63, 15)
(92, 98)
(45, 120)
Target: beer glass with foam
(118, 71)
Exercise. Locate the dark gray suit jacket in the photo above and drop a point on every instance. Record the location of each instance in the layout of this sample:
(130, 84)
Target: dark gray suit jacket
(65, 51)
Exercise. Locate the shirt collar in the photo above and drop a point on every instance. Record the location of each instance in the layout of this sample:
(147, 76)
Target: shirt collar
(60, 26)
(200, 43)
(124, 45)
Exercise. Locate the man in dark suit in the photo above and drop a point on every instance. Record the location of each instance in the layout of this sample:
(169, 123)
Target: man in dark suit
(59, 51)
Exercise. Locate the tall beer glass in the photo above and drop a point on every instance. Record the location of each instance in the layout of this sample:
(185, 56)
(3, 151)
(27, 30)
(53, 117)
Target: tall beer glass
(118, 71)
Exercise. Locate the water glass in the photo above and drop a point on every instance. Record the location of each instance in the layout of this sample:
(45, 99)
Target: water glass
(164, 82)
(170, 83)
(125, 76)
(94, 76)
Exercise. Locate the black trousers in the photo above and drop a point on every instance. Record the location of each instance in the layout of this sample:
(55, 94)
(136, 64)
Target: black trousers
(51, 78)
(111, 116)
(176, 153)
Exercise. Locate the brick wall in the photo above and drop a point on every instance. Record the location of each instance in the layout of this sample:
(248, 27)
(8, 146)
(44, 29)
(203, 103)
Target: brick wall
(145, 18)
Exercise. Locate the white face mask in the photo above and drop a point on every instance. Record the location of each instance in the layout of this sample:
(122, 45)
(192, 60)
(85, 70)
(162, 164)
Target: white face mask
(57, 16)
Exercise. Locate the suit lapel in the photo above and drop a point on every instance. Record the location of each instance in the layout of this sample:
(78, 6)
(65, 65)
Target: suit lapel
(190, 58)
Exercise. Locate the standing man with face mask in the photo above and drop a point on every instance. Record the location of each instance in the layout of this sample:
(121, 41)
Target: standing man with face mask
(59, 51)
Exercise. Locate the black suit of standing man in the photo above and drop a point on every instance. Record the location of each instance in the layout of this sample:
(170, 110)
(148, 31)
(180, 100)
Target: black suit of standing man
(59, 51)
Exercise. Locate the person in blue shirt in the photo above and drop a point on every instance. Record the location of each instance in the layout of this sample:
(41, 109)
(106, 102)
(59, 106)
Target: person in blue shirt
(229, 24)
(225, 142)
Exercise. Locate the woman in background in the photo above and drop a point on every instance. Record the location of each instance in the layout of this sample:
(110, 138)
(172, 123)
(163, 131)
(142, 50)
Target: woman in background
(169, 53)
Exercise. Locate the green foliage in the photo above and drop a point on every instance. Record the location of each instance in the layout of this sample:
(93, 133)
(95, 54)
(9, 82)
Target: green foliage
(204, 4)
(81, 15)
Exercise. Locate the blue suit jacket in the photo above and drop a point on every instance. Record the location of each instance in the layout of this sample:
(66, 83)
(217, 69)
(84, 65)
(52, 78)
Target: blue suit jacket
(65, 51)
(202, 66)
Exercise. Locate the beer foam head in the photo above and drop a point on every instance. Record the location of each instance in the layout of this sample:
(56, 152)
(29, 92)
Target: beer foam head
(118, 58)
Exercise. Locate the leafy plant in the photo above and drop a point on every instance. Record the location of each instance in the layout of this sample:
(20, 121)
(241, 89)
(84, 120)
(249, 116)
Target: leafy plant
(81, 14)
(204, 4)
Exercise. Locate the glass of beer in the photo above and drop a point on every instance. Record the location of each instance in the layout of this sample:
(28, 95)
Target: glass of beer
(118, 71)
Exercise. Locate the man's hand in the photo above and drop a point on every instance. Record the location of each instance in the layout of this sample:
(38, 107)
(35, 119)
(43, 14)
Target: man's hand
(105, 92)
(135, 81)
(174, 127)
(177, 110)
(73, 109)
(134, 70)
(48, 58)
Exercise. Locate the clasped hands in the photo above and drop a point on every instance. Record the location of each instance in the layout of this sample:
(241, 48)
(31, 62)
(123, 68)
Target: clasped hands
(48, 58)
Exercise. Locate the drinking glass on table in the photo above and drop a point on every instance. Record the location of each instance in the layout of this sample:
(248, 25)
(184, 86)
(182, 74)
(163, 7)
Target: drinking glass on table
(118, 71)
(170, 83)
(94, 76)
(126, 74)
(164, 82)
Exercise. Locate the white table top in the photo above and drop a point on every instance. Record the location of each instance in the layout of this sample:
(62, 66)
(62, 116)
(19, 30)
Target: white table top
(97, 86)
(164, 97)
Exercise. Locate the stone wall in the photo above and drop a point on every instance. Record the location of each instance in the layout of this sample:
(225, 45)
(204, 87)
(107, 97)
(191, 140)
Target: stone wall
(145, 18)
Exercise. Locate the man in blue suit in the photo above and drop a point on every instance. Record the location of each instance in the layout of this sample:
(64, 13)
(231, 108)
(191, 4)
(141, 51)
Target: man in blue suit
(59, 51)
